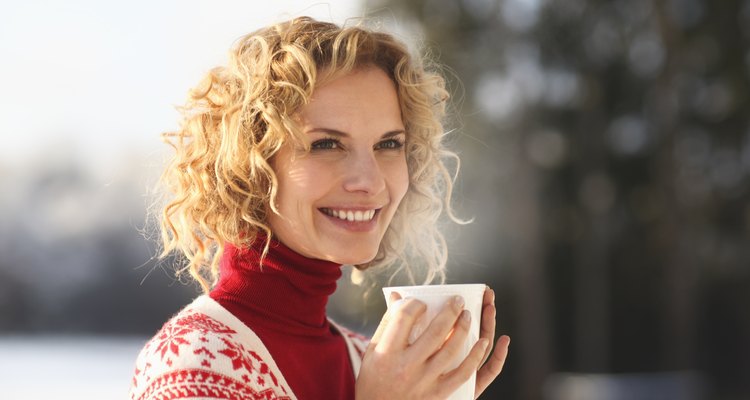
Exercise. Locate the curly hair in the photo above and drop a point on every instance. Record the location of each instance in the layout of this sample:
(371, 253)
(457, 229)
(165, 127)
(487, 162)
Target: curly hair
(219, 187)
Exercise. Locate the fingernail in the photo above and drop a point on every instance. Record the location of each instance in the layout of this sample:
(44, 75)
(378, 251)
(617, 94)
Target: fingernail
(466, 316)
(458, 302)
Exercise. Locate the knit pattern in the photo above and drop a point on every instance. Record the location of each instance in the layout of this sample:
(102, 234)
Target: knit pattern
(204, 352)
(197, 356)
(357, 345)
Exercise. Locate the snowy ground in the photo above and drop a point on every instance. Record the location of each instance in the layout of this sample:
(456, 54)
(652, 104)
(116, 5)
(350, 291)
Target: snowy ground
(67, 367)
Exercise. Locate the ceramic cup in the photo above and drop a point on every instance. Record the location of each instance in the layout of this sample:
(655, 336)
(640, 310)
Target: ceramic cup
(435, 297)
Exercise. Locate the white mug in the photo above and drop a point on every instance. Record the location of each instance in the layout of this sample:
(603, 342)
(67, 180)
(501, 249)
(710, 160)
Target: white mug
(435, 297)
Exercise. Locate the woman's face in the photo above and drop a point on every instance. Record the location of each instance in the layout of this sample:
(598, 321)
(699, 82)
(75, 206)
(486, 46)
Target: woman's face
(336, 201)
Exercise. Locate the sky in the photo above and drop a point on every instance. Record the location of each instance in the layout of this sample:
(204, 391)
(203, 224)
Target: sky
(97, 80)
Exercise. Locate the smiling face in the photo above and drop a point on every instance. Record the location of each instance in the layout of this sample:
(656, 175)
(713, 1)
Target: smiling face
(336, 201)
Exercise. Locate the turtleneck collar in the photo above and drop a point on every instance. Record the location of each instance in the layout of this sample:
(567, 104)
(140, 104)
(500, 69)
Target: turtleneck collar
(288, 293)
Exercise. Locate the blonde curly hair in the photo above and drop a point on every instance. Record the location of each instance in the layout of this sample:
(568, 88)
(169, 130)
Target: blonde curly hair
(219, 187)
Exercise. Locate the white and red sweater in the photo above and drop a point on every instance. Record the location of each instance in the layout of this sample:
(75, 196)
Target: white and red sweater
(262, 333)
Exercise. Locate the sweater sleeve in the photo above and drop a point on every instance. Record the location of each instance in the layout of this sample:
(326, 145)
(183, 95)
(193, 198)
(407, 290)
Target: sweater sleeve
(196, 356)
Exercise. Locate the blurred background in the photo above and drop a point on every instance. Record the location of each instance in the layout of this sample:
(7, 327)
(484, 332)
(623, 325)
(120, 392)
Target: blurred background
(605, 157)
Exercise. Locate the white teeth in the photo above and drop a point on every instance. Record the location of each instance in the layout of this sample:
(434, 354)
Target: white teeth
(359, 216)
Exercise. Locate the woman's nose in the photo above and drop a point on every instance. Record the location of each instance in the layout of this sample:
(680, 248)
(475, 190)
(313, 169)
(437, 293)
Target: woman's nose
(363, 174)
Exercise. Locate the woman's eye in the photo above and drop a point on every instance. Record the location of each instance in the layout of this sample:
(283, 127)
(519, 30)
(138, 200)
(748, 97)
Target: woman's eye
(390, 144)
(325, 144)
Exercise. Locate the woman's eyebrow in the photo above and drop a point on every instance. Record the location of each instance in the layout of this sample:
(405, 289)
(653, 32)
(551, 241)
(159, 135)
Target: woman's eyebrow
(393, 133)
(336, 132)
(329, 131)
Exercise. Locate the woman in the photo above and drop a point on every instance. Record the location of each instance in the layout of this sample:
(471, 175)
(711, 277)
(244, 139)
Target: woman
(316, 147)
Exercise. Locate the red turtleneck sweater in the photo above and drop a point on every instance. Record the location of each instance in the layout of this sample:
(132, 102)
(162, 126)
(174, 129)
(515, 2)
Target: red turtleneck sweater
(284, 303)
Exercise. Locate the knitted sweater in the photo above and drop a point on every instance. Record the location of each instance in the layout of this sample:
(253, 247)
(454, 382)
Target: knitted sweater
(261, 334)
(204, 352)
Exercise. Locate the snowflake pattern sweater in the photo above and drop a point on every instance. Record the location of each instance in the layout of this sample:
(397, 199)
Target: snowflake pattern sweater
(261, 334)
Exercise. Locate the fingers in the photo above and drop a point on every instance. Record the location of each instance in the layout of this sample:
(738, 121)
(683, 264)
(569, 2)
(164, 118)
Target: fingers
(489, 296)
(399, 325)
(494, 365)
(455, 378)
(436, 333)
(447, 355)
(487, 326)
(385, 321)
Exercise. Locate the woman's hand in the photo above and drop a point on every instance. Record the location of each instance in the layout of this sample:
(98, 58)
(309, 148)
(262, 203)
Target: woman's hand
(394, 369)
(491, 366)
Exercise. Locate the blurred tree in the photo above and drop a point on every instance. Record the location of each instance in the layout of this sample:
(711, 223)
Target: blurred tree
(606, 152)
(72, 258)
(15, 304)
(128, 298)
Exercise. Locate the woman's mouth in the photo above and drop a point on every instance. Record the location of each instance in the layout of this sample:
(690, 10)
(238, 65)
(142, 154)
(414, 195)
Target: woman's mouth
(351, 215)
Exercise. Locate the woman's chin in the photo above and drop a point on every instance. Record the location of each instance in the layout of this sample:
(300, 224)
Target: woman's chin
(353, 259)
